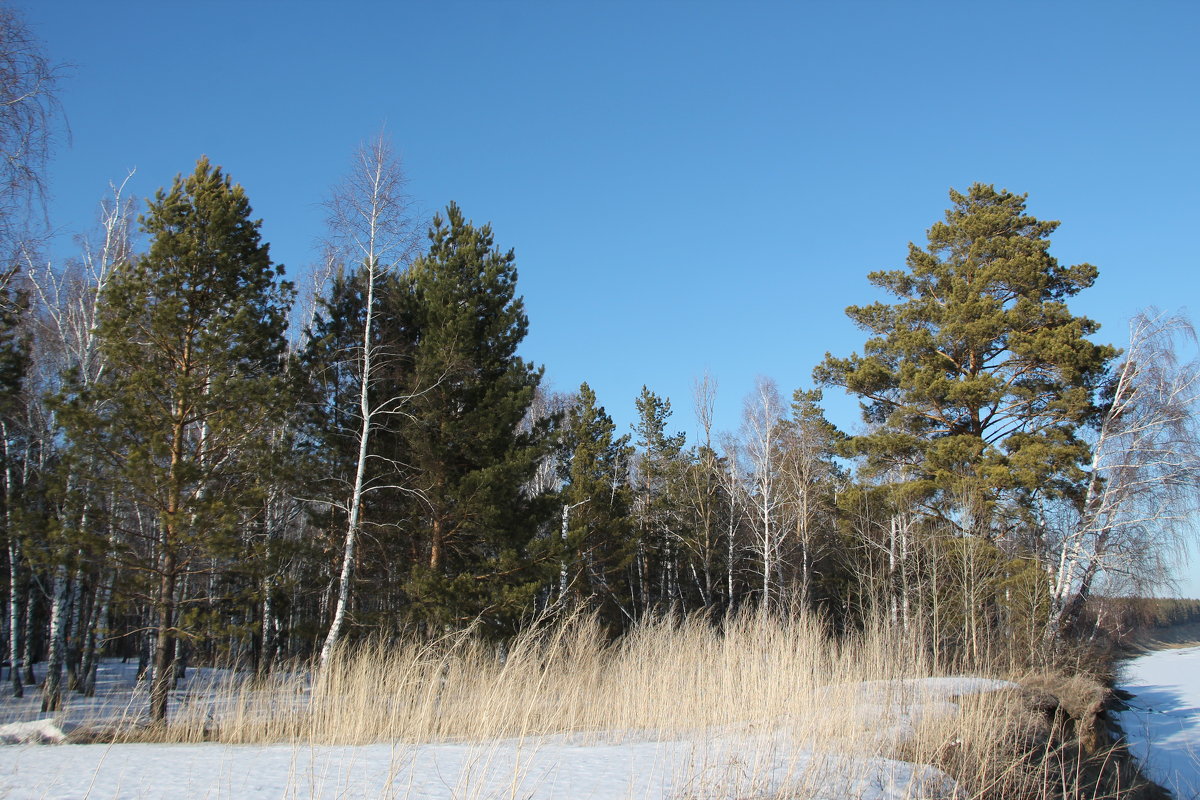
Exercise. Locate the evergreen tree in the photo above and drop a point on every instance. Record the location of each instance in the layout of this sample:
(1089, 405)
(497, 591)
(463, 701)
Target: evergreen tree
(192, 336)
(659, 479)
(596, 540)
(977, 380)
(464, 439)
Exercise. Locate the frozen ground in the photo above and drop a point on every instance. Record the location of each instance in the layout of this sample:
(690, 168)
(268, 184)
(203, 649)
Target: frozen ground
(536, 769)
(1162, 723)
(119, 696)
(745, 761)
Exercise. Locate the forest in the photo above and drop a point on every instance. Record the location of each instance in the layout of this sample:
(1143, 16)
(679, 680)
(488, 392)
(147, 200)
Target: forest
(204, 463)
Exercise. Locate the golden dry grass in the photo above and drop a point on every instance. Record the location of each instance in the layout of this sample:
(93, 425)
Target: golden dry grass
(666, 679)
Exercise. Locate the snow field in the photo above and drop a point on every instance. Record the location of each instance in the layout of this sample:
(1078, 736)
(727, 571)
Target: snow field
(743, 762)
(674, 710)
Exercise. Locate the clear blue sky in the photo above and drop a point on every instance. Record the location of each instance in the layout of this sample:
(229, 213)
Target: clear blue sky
(688, 186)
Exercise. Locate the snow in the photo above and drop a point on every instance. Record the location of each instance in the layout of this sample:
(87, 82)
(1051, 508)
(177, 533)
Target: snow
(1162, 723)
(39, 731)
(541, 769)
(120, 696)
(750, 760)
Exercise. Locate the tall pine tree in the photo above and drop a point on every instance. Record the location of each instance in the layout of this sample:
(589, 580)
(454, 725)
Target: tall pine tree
(193, 338)
(597, 541)
(977, 380)
(470, 455)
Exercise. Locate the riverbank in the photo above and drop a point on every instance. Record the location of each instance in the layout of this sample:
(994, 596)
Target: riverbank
(1174, 637)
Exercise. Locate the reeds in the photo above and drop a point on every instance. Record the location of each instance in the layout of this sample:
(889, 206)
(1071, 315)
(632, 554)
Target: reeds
(774, 683)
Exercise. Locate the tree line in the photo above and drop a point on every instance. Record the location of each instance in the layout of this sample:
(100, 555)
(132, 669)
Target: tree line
(203, 463)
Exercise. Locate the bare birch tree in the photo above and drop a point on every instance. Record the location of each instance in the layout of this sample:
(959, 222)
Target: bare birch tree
(703, 488)
(29, 117)
(66, 303)
(761, 417)
(1144, 488)
(370, 218)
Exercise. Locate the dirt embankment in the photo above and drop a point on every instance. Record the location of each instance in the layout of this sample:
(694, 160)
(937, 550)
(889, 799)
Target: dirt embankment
(1072, 741)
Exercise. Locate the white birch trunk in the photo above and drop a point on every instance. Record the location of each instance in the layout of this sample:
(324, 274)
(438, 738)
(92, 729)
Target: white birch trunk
(15, 586)
(52, 687)
(15, 598)
(371, 212)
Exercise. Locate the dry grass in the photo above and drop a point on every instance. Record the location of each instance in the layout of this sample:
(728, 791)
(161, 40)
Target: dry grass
(671, 679)
(665, 677)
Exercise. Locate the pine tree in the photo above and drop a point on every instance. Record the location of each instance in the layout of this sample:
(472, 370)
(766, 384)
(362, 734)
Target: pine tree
(977, 381)
(465, 442)
(659, 480)
(192, 336)
(596, 535)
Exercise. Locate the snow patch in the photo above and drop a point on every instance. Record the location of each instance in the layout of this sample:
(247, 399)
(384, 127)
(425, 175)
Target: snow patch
(42, 731)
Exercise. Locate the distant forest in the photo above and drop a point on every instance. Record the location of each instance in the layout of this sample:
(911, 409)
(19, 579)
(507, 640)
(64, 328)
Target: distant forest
(192, 475)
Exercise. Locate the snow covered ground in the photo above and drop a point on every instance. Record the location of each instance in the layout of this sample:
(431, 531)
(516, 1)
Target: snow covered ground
(743, 761)
(551, 767)
(1162, 724)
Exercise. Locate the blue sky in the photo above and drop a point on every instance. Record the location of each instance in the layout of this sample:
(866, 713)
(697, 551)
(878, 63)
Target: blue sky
(687, 186)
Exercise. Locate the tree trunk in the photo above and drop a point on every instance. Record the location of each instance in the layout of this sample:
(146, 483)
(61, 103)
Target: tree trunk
(75, 622)
(16, 588)
(16, 596)
(27, 646)
(97, 629)
(562, 562)
(52, 687)
(160, 682)
(729, 599)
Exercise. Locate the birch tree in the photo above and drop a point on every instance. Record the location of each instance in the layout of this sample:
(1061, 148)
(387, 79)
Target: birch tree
(703, 489)
(30, 116)
(371, 226)
(761, 431)
(1143, 491)
(67, 302)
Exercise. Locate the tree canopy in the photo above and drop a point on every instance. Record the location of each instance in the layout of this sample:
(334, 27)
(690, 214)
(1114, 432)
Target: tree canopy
(977, 380)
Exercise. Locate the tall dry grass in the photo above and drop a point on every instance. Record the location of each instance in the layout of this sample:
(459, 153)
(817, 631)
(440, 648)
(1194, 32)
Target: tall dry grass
(750, 676)
(664, 678)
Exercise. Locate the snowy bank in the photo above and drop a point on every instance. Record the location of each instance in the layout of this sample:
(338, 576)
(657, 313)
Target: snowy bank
(41, 731)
